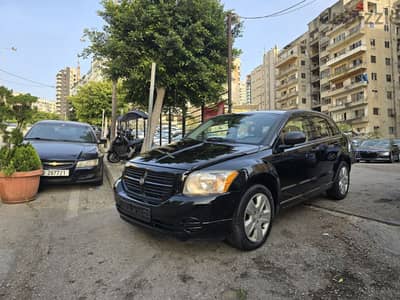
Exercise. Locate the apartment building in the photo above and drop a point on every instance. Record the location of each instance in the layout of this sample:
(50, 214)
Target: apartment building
(65, 81)
(248, 89)
(94, 74)
(358, 69)
(44, 105)
(263, 81)
(292, 77)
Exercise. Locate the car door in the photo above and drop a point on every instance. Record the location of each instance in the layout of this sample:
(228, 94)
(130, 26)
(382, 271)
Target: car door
(296, 165)
(326, 147)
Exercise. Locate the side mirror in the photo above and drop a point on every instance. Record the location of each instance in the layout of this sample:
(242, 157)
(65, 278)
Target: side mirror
(103, 141)
(294, 138)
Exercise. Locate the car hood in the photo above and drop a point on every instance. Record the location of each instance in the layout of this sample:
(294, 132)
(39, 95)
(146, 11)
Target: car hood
(373, 149)
(55, 150)
(191, 154)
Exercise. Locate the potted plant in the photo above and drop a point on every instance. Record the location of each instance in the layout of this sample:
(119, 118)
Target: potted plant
(20, 165)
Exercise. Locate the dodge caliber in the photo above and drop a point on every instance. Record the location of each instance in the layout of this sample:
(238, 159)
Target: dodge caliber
(68, 151)
(232, 175)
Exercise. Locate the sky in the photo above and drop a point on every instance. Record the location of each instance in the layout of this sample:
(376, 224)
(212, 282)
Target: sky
(47, 35)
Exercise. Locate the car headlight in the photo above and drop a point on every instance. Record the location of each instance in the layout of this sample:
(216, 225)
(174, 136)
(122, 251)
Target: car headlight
(385, 153)
(87, 163)
(209, 182)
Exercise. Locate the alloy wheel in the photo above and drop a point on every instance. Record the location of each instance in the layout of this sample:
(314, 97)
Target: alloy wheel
(257, 217)
(343, 180)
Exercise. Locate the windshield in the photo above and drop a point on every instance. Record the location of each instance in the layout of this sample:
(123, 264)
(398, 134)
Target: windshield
(376, 144)
(61, 132)
(241, 128)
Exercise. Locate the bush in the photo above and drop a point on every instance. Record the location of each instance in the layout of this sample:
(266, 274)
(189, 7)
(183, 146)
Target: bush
(22, 158)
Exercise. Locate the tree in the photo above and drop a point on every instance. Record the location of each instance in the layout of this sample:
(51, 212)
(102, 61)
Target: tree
(185, 38)
(41, 115)
(92, 98)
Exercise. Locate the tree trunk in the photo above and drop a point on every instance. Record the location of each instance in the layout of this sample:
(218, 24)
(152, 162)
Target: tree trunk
(114, 110)
(154, 119)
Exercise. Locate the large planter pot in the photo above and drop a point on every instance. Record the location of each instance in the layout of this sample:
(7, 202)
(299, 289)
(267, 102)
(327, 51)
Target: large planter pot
(19, 187)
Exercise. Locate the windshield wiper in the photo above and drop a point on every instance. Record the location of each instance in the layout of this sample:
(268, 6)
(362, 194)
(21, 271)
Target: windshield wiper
(38, 139)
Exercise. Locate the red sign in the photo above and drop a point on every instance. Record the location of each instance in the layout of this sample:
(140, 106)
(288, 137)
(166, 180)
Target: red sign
(216, 110)
(360, 6)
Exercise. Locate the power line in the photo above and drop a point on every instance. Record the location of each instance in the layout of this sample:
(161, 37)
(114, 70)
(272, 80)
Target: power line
(295, 7)
(19, 83)
(29, 80)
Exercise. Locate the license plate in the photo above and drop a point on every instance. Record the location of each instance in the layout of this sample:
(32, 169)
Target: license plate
(137, 211)
(56, 173)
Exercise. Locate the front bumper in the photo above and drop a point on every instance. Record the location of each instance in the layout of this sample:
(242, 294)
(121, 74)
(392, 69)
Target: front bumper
(83, 175)
(181, 216)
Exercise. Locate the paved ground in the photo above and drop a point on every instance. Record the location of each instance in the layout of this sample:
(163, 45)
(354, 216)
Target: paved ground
(71, 244)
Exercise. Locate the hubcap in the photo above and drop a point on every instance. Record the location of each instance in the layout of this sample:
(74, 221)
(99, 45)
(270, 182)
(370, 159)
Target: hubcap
(257, 217)
(343, 180)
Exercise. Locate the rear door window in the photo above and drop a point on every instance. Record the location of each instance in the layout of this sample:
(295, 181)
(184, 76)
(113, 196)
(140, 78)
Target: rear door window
(320, 128)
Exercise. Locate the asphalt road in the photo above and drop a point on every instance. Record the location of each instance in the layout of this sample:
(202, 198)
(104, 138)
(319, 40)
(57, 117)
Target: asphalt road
(71, 244)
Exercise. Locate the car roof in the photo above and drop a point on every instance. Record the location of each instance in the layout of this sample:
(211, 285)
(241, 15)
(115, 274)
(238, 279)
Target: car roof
(287, 112)
(55, 122)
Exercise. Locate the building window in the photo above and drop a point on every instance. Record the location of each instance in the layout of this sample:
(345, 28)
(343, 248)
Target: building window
(390, 112)
(373, 59)
(386, 11)
(386, 27)
(387, 61)
(374, 76)
(304, 100)
(372, 42)
(388, 78)
(376, 128)
(303, 75)
(389, 95)
(371, 25)
(387, 44)
(376, 111)
(303, 62)
(391, 130)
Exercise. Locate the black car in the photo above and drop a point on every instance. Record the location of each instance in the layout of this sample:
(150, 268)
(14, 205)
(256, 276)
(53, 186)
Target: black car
(378, 150)
(68, 150)
(233, 174)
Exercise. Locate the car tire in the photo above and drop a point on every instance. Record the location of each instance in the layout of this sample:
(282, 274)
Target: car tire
(258, 215)
(340, 187)
(113, 157)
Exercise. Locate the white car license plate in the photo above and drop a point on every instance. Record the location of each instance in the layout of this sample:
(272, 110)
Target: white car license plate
(56, 173)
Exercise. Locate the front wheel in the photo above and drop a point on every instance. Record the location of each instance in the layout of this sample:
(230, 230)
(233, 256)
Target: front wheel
(252, 219)
(113, 157)
(341, 184)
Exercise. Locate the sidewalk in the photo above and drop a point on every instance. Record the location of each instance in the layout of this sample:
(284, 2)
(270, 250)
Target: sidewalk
(113, 171)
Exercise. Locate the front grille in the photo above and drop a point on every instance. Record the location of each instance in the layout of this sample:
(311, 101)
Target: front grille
(365, 154)
(59, 165)
(149, 186)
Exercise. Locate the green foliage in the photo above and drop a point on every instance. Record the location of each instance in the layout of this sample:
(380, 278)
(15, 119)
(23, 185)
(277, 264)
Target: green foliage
(344, 127)
(92, 98)
(21, 158)
(185, 38)
(41, 115)
(16, 156)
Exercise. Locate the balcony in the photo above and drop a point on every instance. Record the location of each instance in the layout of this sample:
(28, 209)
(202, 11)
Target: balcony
(360, 31)
(347, 54)
(346, 72)
(344, 89)
(287, 71)
(287, 96)
(287, 58)
(287, 83)
(357, 102)
(346, 23)
(356, 120)
(315, 78)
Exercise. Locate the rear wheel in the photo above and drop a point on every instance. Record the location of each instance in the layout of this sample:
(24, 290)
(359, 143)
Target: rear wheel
(113, 157)
(252, 219)
(341, 184)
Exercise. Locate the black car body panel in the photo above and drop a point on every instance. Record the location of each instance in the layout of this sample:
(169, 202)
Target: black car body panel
(64, 155)
(291, 174)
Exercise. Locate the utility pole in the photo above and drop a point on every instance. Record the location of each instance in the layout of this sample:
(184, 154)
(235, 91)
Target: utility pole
(229, 68)
(113, 109)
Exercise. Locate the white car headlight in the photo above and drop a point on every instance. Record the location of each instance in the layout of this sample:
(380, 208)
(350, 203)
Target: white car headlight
(384, 153)
(209, 182)
(87, 163)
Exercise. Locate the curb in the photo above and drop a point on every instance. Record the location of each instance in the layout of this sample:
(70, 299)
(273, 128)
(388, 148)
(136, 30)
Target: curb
(109, 174)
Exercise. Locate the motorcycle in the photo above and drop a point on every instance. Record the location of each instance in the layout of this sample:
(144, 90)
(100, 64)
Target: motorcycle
(125, 146)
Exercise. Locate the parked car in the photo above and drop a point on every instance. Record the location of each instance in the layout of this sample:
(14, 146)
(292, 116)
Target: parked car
(397, 142)
(68, 150)
(233, 174)
(378, 150)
